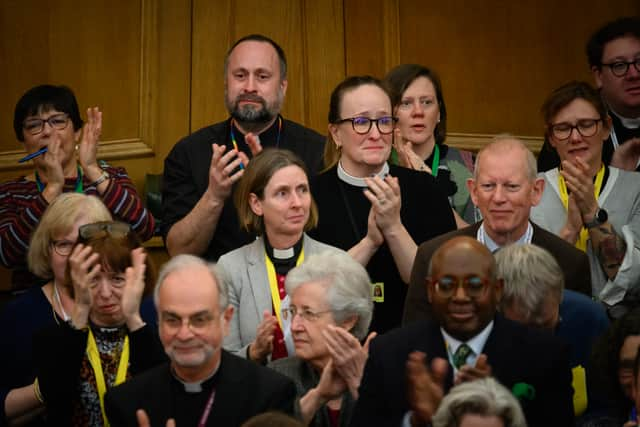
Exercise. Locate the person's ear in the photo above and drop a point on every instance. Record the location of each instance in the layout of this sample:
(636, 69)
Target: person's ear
(255, 204)
(472, 187)
(536, 191)
(227, 314)
(333, 131)
(284, 83)
(429, 285)
(597, 76)
(349, 323)
(498, 287)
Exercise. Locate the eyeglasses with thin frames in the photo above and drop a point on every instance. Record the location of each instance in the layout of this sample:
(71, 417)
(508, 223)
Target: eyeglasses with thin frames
(362, 125)
(585, 127)
(290, 313)
(57, 121)
(63, 247)
(620, 68)
(474, 286)
(197, 323)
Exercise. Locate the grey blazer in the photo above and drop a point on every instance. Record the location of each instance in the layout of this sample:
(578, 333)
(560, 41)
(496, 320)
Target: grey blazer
(249, 292)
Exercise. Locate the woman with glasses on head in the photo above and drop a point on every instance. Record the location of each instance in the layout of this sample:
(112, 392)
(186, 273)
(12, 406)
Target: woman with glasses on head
(591, 205)
(47, 118)
(106, 340)
(376, 211)
(274, 202)
(418, 103)
(41, 307)
(330, 313)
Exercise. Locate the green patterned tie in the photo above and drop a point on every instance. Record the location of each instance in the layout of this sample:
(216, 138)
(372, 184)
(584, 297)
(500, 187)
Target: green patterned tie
(461, 354)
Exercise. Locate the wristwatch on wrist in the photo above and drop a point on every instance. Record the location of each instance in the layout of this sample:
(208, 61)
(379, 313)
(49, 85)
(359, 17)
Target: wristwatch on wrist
(599, 218)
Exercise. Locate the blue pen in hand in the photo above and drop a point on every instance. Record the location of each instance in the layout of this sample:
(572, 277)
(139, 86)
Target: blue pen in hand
(33, 155)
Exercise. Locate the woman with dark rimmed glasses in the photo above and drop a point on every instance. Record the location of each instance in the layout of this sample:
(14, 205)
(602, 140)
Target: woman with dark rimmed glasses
(106, 340)
(63, 151)
(41, 307)
(589, 204)
(378, 212)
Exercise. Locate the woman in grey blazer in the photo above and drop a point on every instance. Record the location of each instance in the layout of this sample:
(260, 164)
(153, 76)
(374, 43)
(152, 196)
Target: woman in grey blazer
(273, 201)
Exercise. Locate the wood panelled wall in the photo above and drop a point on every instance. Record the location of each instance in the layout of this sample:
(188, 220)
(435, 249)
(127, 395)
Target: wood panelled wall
(155, 67)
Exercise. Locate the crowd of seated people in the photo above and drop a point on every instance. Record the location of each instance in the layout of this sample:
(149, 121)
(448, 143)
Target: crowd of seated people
(380, 277)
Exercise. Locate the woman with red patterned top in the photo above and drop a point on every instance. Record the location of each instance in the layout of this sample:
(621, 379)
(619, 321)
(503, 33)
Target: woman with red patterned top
(63, 151)
(273, 200)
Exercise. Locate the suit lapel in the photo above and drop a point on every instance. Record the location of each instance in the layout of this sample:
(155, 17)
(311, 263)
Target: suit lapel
(436, 348)
(258, 277)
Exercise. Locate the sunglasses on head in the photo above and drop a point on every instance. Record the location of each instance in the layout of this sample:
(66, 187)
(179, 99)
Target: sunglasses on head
(97, 230)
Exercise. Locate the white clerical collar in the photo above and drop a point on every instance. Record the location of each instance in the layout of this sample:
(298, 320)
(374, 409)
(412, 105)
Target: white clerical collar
(629, 123)
(196, 386)
(359, 182)
(476, 344)
(486, 240)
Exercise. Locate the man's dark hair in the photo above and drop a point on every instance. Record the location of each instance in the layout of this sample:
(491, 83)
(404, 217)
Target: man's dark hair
(627, 26)
(263, 39)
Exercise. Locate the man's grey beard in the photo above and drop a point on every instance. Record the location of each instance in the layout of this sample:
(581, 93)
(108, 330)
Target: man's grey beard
(250, 118)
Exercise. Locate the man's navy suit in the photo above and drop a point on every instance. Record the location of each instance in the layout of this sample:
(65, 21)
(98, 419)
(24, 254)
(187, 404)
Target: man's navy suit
(517, 354)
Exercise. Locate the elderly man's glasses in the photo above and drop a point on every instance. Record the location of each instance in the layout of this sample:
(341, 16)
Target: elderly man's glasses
(620, 68)
(585, 127)
(474, 286)
(362, 125)
(198, 323)
(57, 121)
(308, 315)
(62, 247)
(99, 230)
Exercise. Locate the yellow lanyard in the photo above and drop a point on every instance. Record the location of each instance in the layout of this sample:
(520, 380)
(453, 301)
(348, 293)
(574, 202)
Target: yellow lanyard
(273, 283)
(581, 243)
(94, 359)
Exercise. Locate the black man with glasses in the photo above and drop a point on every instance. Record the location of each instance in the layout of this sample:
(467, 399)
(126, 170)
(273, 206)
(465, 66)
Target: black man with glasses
(376, 211)
(591, 205)
(409, 369)
(63, 151)
(613, 52)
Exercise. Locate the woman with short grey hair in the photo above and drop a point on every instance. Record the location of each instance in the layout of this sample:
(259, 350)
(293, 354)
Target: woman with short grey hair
(329, 312)
(483, 400)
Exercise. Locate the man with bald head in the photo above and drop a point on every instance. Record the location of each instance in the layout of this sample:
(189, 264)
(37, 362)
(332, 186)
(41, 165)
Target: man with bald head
(504, 187)
(466, 339)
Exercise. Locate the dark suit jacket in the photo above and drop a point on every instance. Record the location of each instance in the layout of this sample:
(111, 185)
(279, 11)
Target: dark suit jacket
(516, 354)
(243, 389)
(573, 262)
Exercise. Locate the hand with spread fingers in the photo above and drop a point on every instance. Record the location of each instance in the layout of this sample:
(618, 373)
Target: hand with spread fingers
(84, 268)
(425, 386)
(88, 147)
(349, 357)
(482, 369)
(262, 346)
(225, 171)
(133, 289)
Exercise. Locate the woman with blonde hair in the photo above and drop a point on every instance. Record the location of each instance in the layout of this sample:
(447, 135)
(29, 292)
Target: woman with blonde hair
(39, 308)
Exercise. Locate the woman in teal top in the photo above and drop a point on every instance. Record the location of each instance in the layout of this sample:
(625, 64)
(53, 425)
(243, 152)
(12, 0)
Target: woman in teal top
(418, 102)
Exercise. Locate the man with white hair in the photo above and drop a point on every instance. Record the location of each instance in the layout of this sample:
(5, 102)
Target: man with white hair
(203, 384)
(534, 294)
(504, 187)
